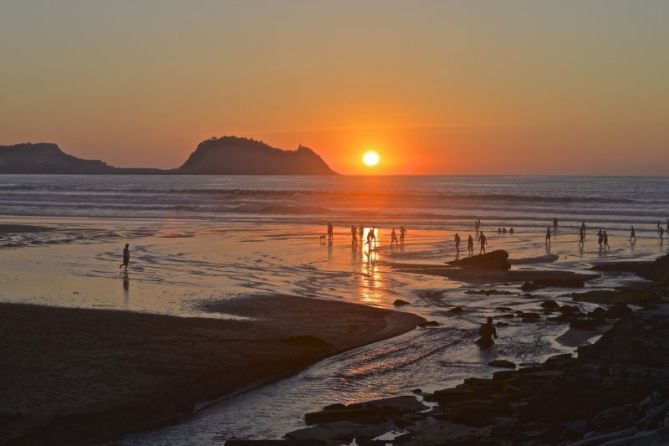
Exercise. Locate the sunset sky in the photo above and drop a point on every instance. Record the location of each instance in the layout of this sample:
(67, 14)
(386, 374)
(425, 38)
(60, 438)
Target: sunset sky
(454, 87)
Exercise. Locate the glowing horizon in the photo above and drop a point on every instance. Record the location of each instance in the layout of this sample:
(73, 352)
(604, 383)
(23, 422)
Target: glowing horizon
(439, 87)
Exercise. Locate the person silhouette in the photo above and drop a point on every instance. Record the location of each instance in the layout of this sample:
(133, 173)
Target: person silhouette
(403, 233)
(483, 240)
(457, 243)
(600, 238)
(487, 332)
(354, 235)
(632, 234)
(370, 236)
(511, 230)
(581, 238)
(126, 257)
(470, 245)
(393, 237)
(330, 233)
(606, 240)
(548, 235)
(361, 232)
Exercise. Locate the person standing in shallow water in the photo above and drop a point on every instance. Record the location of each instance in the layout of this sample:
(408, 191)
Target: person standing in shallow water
(354, 237)
(470, 245)
(330, 233)
(548, 236)
(457, 243)
(606, 240)
(403, 233)
(483, 240)
(126, 257)
(632, 234)
(487, 332)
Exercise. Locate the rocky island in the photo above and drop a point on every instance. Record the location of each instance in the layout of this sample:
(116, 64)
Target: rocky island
(231, 155)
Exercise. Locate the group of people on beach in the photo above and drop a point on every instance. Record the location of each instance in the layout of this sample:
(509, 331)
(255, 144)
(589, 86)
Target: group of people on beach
(397, 236)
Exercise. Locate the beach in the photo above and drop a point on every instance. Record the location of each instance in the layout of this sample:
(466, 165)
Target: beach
(197, 243)
(71, 375)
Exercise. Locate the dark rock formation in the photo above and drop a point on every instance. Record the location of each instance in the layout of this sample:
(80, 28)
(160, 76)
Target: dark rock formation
(45, 158)
(231, 155)
(493, 260)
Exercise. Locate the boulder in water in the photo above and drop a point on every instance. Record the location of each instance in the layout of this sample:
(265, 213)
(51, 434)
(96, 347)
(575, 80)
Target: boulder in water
(498, 259)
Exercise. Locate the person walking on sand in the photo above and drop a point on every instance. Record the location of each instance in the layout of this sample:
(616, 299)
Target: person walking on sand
(393, 237)
(457, 243)
(403, 233)
(488, 333)
(470, 245)
(632, 235)
(483, 240)
(126, 257)
(548, 235)
(606, 240)
(600, 238)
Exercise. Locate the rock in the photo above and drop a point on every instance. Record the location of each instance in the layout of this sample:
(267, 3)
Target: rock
(398, 404)
(504, 309)
(456, 310)
(490, 292)
(497, 260)
(530, 286)
(276, 443)
(615, 417)
(400, 302)
(338, 432)
(428, 324)
(550, 305)
(548, 258)
(501, 363)
(475, 412)
(447, 396)
(528, 317)
(586, 324)
(345, 414)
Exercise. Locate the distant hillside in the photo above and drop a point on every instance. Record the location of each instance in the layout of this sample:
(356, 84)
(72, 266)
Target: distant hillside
(231, 155)
(29, 158)
(45, 158)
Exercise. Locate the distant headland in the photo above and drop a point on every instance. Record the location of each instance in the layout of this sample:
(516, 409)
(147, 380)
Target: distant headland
(228, 155)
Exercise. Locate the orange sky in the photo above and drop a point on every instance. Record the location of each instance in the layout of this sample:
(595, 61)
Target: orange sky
(435, 87)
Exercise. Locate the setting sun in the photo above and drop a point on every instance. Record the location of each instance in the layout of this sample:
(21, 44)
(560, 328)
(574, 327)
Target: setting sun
(371, 158)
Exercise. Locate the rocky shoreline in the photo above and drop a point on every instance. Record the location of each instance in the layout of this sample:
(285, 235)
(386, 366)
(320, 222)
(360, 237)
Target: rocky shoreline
(613, 392)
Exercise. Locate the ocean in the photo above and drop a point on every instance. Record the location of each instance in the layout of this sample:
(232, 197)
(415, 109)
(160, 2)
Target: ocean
(194, 239)
(425, 201)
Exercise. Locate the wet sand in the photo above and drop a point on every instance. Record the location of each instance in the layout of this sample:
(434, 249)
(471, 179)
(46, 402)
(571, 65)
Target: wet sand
(71, 375)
